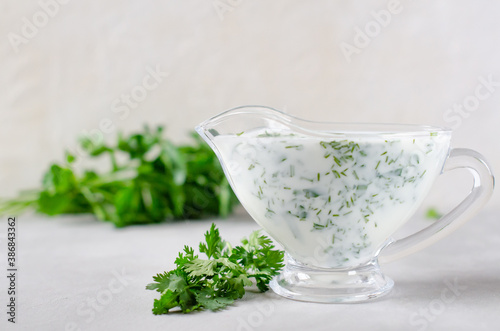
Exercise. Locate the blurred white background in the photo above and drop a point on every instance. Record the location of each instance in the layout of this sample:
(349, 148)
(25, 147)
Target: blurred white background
(74, 67)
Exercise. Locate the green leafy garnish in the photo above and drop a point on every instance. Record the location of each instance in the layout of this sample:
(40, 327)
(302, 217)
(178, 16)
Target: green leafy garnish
(433, 214)
(154, 180)
(216, 281)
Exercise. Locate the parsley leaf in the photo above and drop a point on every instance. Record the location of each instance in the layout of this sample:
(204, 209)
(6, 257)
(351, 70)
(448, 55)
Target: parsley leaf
(215, 282)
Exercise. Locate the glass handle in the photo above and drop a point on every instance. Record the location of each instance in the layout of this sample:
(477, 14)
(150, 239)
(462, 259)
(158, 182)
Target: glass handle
(482, 190)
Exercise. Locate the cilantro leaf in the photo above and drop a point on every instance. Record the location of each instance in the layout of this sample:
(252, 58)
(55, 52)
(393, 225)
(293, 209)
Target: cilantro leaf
(260, 259)
(209, 301)
(173, 280)
(166, 302)
(199, 267)
(214, 243)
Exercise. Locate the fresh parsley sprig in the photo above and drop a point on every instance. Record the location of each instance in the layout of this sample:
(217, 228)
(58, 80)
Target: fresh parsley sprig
(216, 281)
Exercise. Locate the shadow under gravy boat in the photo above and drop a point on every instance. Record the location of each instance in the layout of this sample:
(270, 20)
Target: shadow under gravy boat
(333, 194)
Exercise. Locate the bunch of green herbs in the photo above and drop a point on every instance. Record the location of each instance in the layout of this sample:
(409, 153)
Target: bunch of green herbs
(150, 180)
(216, 281)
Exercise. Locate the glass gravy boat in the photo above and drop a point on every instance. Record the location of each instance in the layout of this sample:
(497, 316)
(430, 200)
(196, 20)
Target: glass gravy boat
(333, 194)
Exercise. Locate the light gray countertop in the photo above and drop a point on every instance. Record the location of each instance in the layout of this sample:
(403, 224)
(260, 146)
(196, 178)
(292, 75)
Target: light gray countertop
(75, 273)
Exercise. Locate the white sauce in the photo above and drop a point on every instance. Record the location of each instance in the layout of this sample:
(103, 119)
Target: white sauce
(331, 202)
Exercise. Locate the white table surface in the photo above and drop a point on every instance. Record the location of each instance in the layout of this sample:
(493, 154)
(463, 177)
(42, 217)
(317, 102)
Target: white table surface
(68, 269)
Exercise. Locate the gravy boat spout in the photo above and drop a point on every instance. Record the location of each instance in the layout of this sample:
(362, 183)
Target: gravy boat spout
(245, 118)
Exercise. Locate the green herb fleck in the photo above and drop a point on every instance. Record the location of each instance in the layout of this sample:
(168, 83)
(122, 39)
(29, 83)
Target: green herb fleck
(297, 147)
(433, 213)
(337, 161)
